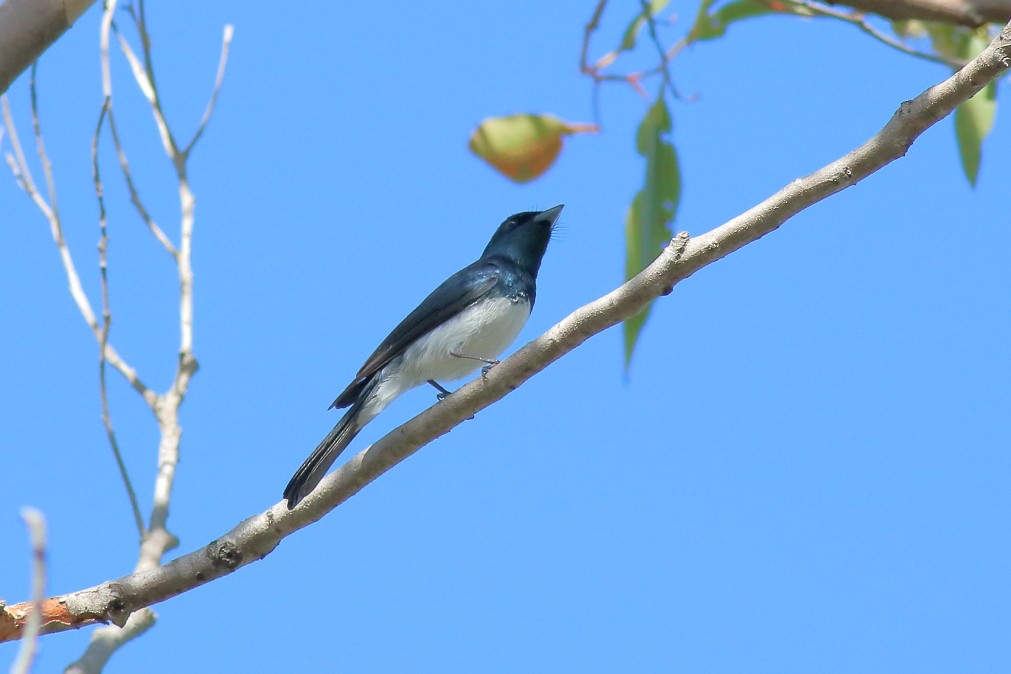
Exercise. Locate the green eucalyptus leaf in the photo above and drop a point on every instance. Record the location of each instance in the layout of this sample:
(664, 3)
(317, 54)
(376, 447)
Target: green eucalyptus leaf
(974, 118)
(647, 223)
(709, 26)
(973, 121)
(631, 33)
(909, 28)
(948, 40)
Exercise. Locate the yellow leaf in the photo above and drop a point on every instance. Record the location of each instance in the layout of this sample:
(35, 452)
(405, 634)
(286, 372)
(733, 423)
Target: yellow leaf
(522, 147)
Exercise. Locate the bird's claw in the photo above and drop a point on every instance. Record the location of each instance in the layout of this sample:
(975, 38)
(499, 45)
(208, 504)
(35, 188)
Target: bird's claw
(487, 368)
(442, 391)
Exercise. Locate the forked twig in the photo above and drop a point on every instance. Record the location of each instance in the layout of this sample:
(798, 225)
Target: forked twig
(157, 539)
(226, 42)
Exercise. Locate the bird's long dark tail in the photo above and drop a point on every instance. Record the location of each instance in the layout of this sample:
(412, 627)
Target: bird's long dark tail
(315, 467)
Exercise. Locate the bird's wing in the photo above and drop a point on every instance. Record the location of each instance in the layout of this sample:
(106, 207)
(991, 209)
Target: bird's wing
(456, 293)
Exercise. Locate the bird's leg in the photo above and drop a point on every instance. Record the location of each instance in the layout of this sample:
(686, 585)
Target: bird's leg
(441, 395)
(489, 363)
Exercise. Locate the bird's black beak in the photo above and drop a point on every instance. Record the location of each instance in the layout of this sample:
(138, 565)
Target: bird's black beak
(551, 215)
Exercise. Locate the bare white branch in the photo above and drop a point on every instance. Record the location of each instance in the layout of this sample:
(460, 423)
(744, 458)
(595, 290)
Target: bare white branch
(19, 165)
(145, 82)
(23, 177)
(36, 524)
(124, 164)
(156, 539)
(135, 199)
(107, 639)
(226, 42)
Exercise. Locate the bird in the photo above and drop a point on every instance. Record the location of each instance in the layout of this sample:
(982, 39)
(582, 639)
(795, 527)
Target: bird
(465, 323)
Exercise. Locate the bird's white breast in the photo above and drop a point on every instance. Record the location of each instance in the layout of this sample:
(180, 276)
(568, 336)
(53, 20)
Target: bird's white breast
(482, 330)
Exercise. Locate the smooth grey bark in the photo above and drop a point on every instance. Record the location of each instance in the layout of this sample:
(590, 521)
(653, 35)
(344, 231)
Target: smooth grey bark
(28, 27)
(972, 13)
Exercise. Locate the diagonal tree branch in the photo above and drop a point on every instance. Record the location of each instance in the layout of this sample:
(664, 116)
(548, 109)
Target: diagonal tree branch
(117, 601)
(860, 21)
(28, 27)
(972, 13)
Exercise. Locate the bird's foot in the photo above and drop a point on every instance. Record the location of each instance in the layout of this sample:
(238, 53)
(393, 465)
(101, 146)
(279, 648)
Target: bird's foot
(489, 363)
(442, 391)
(487, 368)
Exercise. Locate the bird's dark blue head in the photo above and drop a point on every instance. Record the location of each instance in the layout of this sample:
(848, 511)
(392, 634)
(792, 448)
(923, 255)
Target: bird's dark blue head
(523, 238)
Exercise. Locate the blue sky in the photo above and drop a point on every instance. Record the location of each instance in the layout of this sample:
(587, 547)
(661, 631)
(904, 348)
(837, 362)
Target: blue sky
(805, 470)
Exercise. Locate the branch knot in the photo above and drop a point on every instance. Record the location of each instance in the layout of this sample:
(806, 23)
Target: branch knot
(225, 554)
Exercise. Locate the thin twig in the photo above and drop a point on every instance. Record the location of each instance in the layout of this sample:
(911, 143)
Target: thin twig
(150, 86)
(587, 32)
(135, 199)
(647, 12)
(147, 89)
(226, 42)
(36, 524)
(108, 639)
(860, 21)
(803, 7)
(584, 66)
(124, 164)
(103, 266)
(19, 165)
(47, 166)
(634, 78)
